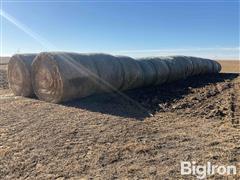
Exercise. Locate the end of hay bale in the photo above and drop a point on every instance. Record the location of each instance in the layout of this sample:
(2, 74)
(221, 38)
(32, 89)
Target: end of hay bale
(46, 79)
(19, 75)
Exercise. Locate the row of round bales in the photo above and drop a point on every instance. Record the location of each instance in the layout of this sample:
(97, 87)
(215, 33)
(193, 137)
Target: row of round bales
(59, 76)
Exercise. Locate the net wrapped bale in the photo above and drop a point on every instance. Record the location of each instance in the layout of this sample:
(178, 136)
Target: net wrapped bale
(204, 66)
(188, 67)
(196, 62)
(170, 68)
(159, 74)
(59, 76)
(149, 72)
(216, 66)
(19, 74)
(114, 77)
(132, 73)
(181, 67)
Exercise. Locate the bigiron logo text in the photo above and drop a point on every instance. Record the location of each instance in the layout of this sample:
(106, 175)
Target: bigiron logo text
(202, 171)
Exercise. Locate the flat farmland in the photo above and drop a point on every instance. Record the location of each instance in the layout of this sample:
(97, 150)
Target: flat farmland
(230, 65)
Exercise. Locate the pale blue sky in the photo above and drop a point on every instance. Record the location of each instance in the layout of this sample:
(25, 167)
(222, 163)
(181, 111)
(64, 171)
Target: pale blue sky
(206, 28)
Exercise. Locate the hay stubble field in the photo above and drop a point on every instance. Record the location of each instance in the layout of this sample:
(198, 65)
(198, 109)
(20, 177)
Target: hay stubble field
(108, 137)
(230, 65)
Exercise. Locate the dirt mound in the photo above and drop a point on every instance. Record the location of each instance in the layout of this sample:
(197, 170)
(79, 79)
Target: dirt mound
(112, 136)
(196, 95)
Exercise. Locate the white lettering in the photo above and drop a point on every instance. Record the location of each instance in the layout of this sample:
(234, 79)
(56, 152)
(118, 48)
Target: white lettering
(185, 168)
(202, 171)
(221, 170)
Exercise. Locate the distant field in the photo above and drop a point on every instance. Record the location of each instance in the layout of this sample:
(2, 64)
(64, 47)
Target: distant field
(230, 65)
(4, 60)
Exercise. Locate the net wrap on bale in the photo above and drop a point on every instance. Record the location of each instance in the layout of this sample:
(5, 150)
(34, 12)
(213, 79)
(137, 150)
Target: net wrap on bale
(59, 76)
(19, 74)
(172, 68)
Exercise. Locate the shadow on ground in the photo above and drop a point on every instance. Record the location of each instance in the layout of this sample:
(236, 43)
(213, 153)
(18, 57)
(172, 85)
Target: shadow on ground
(146, 101)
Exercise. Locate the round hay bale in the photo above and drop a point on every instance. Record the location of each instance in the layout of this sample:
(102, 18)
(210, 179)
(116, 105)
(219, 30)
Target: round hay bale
(217, 66)
(63, 76)
(110, 72)
(189, 69)
(19, 74)
(214, 66)
(196, 66)
(206, 66)
(186, 65)
(60, 77)
(149, 72)
(211, 68)
(177, 66)
(132, 73)
(161, 68)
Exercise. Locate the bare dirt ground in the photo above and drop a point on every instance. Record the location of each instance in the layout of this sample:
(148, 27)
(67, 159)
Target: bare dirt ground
(108, 137)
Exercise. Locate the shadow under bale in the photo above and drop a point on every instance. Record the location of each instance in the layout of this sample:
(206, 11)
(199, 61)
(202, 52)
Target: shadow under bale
(141, 103)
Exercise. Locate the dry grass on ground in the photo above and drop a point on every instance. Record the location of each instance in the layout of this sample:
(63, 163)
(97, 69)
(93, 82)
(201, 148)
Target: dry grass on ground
(108, 137)
(230, 65)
